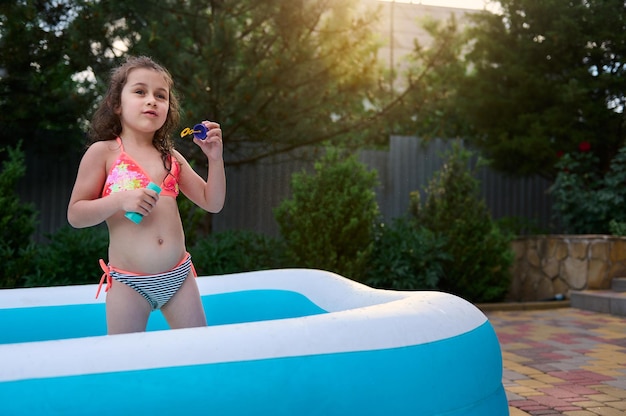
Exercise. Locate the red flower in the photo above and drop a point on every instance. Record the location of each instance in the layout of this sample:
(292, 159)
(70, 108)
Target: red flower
(560, 154)
(584, 147)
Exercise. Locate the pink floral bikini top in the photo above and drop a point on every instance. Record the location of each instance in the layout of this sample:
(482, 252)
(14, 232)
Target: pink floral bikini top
(126, 175)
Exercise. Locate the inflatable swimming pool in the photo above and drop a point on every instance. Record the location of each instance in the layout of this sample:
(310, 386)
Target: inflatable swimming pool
(279, 342)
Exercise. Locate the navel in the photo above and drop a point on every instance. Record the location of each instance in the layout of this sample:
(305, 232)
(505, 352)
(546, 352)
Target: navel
(160, 241)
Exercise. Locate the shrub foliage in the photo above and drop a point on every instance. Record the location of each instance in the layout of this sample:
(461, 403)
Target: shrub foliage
(237, 251)
(588, 199)
(17, 221)
(480, 253)
(70, 257)
(329, 221)
(406, 256)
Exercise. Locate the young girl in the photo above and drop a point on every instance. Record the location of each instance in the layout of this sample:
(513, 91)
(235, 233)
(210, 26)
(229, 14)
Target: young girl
(149, 267)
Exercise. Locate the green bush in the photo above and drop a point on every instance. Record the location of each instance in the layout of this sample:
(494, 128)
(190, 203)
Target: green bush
(586, 198)
(521, 226)
(329, 222)
(617, 228)
(406, 256)
(236, 251)
(71, 257)
(17, 222)
(481, 254)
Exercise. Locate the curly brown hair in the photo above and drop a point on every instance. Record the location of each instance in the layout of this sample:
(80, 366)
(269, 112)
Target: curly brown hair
(105, 123)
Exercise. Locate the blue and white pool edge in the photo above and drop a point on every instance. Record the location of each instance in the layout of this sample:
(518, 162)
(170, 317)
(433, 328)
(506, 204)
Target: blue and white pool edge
(374, 352)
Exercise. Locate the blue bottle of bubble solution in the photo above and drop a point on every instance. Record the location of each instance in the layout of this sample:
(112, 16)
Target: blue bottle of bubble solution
(137, 217)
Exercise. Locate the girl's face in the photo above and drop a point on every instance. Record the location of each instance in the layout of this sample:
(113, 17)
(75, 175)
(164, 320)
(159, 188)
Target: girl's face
(144, 101)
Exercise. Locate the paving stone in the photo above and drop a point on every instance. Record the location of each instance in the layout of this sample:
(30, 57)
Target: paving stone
(612, 391)
(607, 411)
(601, 398)
(566, 408)
(512, 397)
(587, 404)
(559, 392)
(620, 384)
(621, 405)
(580, 390)
(563, 361)
(513, 411)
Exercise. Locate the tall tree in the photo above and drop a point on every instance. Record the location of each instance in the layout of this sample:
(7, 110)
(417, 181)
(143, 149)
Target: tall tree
(278, 75)
(543, 77)
(39, 100)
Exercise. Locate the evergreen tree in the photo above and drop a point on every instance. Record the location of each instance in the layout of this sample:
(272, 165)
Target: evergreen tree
(543, 77)
(480, 254)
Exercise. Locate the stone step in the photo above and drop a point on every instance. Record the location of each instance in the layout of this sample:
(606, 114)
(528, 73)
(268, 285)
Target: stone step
(618, 284)
(603, 301)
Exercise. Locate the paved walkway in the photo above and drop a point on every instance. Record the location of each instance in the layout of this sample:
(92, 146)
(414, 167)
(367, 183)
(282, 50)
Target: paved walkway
(563, 361)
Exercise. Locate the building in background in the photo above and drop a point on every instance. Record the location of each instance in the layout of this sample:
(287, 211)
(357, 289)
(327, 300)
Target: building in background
(400, 25)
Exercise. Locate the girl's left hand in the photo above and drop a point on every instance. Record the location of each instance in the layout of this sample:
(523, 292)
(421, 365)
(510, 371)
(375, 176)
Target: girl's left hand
(211, 146)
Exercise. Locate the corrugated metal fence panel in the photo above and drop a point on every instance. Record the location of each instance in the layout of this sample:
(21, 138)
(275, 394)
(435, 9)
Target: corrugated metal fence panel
(411, 166)
(517, 197)
(47, 185)
(255, 190)
(378, 161)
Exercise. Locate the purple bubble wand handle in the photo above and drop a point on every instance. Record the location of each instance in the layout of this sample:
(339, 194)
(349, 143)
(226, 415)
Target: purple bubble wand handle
(200, 131)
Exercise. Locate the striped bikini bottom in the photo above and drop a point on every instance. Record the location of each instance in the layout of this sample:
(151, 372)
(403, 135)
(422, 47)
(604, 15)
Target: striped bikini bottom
(157, 289)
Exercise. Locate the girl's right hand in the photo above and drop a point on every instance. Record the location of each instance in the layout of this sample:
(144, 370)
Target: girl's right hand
(141, 200)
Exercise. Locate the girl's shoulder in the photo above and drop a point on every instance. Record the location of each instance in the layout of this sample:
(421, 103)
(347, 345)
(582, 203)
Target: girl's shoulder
(178, 156)
(104, 147)
(101, 150)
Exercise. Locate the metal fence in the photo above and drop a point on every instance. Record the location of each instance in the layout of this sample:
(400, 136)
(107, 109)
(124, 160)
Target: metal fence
(255, 190)
(408, 165)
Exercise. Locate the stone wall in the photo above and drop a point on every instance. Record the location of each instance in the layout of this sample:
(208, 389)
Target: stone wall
(547, 265)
